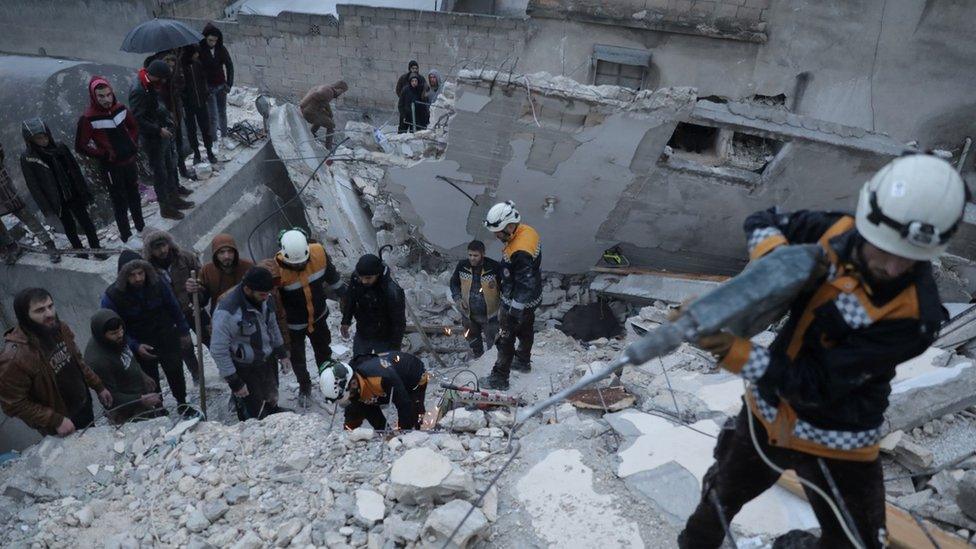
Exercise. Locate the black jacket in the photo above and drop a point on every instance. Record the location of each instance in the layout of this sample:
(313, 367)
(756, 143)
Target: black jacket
(121, 375)
(391, 377)
(150, 112)
(195, 90)
(413, 106)
(522, 269)
(379, 310)
(217, 64)
(53, 176)
(477, 289)
(834, 360)
(404, 81)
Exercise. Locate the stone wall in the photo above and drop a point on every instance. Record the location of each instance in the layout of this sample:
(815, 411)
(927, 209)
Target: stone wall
(204, 9)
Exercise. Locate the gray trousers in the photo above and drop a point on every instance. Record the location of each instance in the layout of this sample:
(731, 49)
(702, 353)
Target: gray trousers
(32, 223)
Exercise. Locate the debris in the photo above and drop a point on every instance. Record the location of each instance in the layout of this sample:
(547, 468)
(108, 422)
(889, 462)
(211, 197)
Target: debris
(370, 508)
(966, 498)
(173, 435)
(612, 399)
(651, 287)
(197, 521)
(445, 518)
(464, 420)
(422, 476)
(361, 433)
(915, 457)
(890, 441)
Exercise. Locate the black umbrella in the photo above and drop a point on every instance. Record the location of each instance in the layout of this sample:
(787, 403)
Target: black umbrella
(159, 35)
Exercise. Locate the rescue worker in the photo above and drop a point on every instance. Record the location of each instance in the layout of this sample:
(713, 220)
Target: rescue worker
(521, 282)
(304, 278)
(377, 304)
(474, 287)
(373, 380)
(818, 394)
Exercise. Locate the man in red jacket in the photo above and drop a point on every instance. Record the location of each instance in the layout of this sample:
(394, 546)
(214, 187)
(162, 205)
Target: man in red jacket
(108, 132)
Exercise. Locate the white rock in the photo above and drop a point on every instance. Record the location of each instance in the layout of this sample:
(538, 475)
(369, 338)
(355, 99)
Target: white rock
(422, 475)
(297, 461)
(287, 531)
(489, 505)
(250, 540)
(197, 522)
(499, 418)
(445, 518)
(462, 419)
(93, 469)
(370, 507)
(85, 516)
(119, 447)
(491, 432)
(361, 433)
(399, 529)
(413, 439)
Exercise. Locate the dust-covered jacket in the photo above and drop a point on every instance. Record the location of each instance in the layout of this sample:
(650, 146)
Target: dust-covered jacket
(244, 335)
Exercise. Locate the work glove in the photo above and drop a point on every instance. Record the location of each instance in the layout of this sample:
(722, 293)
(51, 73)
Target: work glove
(718, 345)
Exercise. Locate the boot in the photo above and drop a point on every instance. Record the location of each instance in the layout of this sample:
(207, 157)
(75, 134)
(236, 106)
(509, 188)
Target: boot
(493, 382)
(181, 167)
(168, 211)
(196, 157)
(52, 252)
(520, 365)
(211, 157)
(181, 204)
(183, 191)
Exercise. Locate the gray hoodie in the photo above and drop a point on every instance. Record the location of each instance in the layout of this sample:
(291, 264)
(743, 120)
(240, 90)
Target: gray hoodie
(244, 336)
(432, 92)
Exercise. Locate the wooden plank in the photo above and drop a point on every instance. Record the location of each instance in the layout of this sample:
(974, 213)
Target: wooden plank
(903, 531)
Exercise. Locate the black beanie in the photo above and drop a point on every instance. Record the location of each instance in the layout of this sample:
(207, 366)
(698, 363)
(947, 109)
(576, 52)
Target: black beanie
(413, 63)
(158, 68)
(369, 265)
(258, 279)
(127, 256)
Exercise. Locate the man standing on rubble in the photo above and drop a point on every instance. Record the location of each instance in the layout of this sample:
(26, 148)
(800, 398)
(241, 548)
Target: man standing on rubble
(377, 304)
(247, 342)
(818, 394)
(175, 266)
(475, 288)
(225, 270)
(43, 379)
(317, 111)
(12, 203)
(155, 325)
(413, 69)
(304, 277)
(372, 380)
(521, 284)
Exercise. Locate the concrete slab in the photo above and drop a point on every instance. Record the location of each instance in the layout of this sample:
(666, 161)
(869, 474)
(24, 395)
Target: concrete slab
(647, 288)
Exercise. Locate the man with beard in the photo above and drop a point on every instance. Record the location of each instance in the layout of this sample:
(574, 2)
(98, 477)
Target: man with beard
(43, 379)
(156, 327)
(247, 342)
(133, 392)
(175, 266)
(377, 304)
(304, 277)
(225, 270)
(413, 69)
(818, 394)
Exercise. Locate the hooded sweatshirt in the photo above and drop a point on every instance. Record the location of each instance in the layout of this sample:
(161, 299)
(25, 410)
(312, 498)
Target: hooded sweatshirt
(109, 135)
(52, 173)
(432, 92)
(216, 60)
(404, 80)
(121, 375)
(174, 270)
(151, 313)
(215, 280)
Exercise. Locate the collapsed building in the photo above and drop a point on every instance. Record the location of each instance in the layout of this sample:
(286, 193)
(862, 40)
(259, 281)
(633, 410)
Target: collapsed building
(630, 127)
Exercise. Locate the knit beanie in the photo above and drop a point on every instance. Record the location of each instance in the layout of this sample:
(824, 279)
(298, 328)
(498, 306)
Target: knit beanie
(158, 68)
(258, 279)
(369, 265)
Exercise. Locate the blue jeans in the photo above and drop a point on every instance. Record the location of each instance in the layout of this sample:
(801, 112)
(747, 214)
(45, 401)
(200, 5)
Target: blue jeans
(217, 107)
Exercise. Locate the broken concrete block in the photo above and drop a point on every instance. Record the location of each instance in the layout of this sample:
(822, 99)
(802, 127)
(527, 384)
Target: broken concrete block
(463, 420)
(287, 531)
(915, 457)
(370, 508)
(445, 518)
(361, 433)
(85, 516)
(422, 475)
(403, 530)
(890, 441)
(927, 388)
(672, 487)
(197, 522)
(966, 498)
(173, 435)
(214, 510)
(413, 439)
(944, 484)
(916, 500)
(489, 505)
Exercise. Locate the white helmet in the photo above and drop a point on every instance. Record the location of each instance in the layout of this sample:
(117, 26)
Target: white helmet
(334, 379)
(294, 247)
(912, 206)
(502, 215)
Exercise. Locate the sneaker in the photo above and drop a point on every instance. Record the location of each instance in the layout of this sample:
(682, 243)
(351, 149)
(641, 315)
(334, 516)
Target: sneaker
(187, 412)
(521, 366)
(493, 382)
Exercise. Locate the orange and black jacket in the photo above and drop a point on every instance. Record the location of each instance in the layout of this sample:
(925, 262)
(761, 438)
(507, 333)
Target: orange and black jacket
(303, 293)
(391, 377)
(822, 387)
(522, 269)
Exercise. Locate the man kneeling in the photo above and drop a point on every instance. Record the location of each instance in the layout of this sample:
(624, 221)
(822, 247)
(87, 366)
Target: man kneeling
(373, 380)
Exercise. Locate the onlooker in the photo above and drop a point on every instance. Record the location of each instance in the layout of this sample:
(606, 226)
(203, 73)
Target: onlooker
(172, 95)
(413, 68)
(316, 110)
(156, 328)
(247, 342)
(372, 381)
(220, 76)
(413, 107)
(196, 94)
(11, 203)
(43, 379)
(304, 277)
(435, 86)
(522, 292)
(220, 275)
(378, 305)
(55, 181)
(133, 392)
(475, 288)
(156, 134)
(108, 132)
(175, 266)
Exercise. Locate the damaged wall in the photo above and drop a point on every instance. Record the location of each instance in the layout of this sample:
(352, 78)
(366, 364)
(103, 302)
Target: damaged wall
(584, 165)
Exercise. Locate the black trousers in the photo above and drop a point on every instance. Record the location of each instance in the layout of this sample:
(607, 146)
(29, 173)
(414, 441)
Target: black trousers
(198, 117)
(356, 412)
(190, 353)
(321, 339)
(510, 331)
(739, 475)
(262, 391)
(78, 211)
(480, 330)
(123, 188)
(168, 355)
(162, 161)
